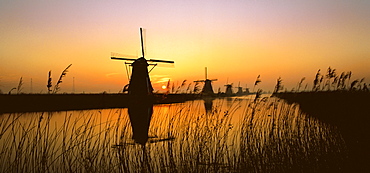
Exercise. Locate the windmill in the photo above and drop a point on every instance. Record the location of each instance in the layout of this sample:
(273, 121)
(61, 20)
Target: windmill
(229, 88)
(207, 88)
(240, 90)
(246, 90)
(140, 84)
(140, 91)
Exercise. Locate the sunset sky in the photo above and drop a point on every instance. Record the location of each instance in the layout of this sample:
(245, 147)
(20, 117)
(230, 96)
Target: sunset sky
(237, 40)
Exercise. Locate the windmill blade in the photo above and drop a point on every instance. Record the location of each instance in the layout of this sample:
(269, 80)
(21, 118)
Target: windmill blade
(164, 61)
(199, 81)
(123, 145)
(161, 140)
(206, 73)
(126, 59)
(213, 79)
(114, 54)
(152, 67)
(142, 42)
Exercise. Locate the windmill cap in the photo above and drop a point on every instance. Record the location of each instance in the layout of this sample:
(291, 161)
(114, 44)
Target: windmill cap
(141, 62)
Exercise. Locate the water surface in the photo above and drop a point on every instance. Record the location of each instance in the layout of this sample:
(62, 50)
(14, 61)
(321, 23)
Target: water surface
(213, 135)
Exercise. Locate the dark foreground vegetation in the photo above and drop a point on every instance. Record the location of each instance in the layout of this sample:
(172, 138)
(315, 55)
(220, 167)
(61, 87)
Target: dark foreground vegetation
(347, 110)
(338, 100)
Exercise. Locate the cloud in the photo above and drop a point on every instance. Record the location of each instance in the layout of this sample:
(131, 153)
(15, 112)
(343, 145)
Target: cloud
(109, 75)
(159, 79)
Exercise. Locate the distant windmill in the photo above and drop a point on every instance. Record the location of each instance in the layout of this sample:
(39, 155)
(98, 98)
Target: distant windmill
(140, 82)
(247, 90)
(207, 88)
(229, 88)
(240, 90)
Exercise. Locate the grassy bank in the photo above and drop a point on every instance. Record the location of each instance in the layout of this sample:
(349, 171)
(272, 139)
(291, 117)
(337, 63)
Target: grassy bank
(347, 110)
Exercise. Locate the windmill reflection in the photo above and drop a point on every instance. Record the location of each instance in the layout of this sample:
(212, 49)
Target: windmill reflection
(140, 93)
(140, 116)
(208, 104)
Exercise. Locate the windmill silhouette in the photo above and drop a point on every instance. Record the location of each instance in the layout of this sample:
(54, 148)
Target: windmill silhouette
(240, 90)
(140, 84)
(229, 89)
(140, 93)
(207, 88)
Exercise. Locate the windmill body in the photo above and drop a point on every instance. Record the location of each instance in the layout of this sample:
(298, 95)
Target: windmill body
(208, 89)
(229, 89)
(140, 84)
(240, 91)
(247, 91)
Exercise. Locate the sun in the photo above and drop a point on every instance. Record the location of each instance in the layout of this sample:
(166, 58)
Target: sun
(164, 87)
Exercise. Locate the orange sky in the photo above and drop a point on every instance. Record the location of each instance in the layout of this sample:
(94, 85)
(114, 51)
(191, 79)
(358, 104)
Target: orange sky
(236, 40)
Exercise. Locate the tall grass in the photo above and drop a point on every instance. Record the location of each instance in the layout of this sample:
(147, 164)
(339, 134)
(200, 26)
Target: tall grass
(237, 135)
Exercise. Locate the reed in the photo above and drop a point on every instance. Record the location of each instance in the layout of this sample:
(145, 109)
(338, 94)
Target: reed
(20, 86)
(60, 80)
(237, 135)
(330, 82)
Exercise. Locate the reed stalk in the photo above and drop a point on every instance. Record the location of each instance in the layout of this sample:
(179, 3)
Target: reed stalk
(257, 135)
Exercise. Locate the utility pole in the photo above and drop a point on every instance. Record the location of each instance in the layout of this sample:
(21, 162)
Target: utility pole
(31, 86)
(73, 85)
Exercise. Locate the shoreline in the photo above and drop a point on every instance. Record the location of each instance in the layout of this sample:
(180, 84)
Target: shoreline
(61, 102)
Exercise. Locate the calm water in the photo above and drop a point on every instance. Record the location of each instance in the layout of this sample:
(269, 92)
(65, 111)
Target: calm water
(220, 135)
